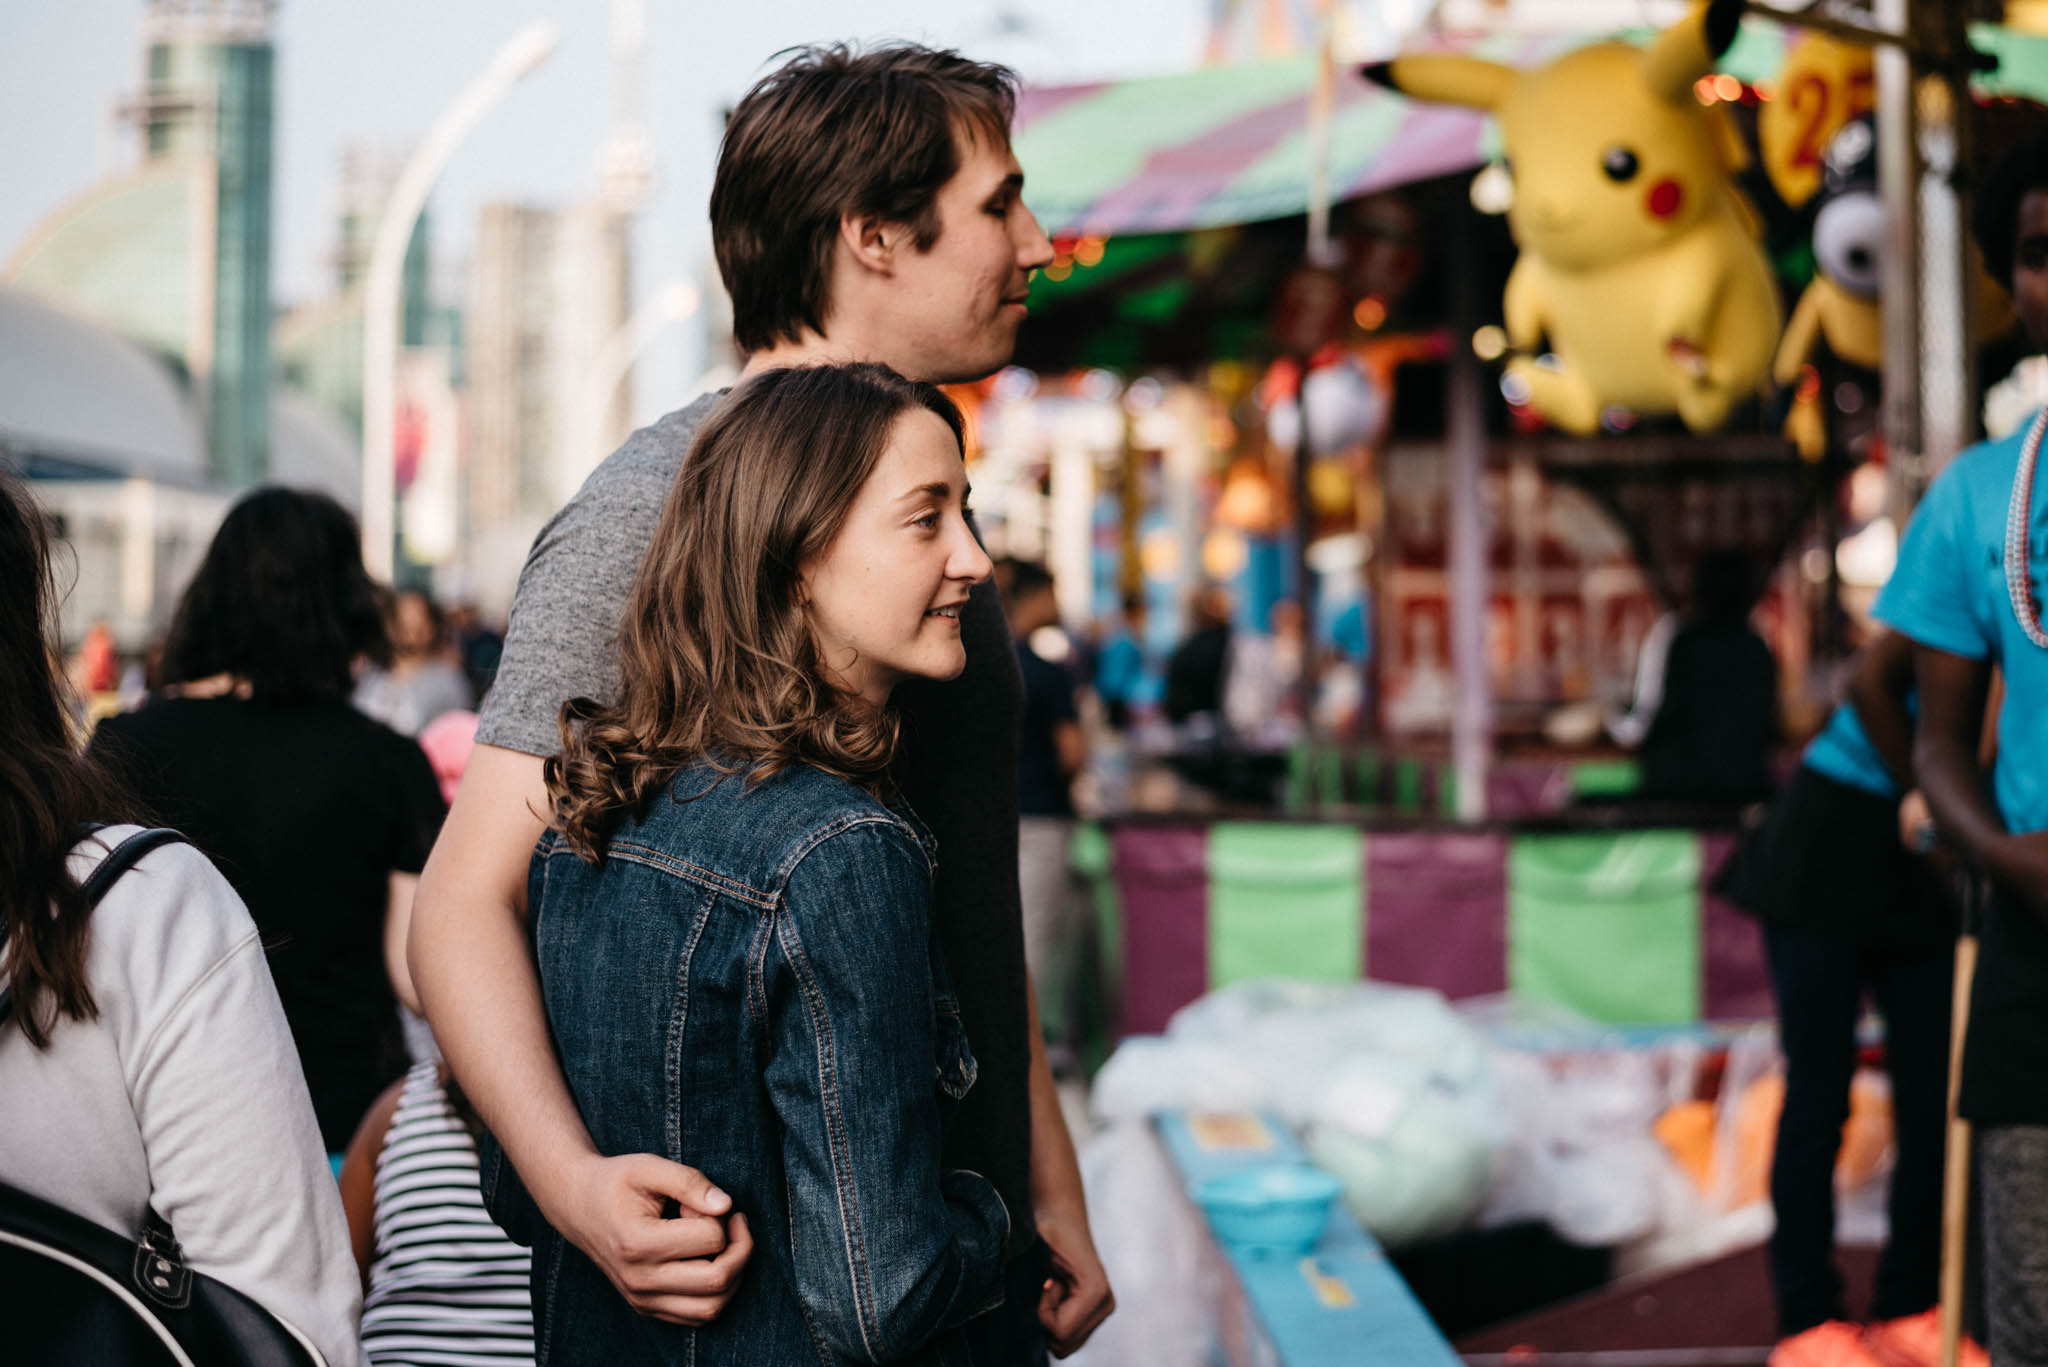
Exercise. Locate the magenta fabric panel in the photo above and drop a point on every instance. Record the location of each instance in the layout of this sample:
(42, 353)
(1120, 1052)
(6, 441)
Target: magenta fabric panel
(1522, 788)
(1436, 910)
(1737, 980)
(1162, 876)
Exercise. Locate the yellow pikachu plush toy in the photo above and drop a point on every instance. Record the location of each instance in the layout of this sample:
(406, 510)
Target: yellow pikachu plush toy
(1639, 257)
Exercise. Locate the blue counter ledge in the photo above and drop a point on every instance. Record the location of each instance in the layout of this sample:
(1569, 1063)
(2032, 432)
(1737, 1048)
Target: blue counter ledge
(1343, 1305)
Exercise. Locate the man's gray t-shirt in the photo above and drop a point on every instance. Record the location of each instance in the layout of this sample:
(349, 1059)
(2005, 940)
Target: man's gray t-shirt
(565, 615)
(956, 765)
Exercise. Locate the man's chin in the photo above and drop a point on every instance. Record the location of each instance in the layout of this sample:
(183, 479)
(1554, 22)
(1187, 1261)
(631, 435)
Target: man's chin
(959, 370)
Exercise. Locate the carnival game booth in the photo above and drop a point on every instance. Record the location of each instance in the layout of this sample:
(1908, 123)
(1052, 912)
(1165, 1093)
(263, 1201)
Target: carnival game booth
(1280, 347)
(1195, 297)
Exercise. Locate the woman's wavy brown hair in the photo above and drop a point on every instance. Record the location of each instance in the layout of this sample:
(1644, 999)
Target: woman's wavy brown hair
(716, 657)
(48, 790)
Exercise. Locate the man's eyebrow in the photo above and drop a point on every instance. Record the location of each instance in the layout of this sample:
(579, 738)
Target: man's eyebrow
(1012, 184)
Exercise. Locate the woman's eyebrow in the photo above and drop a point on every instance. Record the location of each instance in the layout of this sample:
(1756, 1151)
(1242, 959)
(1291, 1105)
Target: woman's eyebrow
(938, 488)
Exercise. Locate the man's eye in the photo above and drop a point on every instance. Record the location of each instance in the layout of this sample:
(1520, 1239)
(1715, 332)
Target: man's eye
(2033, 252)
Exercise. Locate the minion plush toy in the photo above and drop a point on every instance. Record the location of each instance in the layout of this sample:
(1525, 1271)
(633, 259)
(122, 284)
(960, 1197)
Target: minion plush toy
(1834, 345)
(1833, 348)
(1640, 262)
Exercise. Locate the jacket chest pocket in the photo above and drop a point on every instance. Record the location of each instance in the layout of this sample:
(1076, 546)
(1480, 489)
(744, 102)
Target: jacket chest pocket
(956, 1066)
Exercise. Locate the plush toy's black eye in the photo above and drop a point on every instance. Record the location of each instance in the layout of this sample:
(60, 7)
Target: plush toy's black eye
(1619, 163)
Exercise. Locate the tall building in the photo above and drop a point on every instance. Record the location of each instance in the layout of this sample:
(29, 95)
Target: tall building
(547, 289)
(318, 345)
(176, 252)
(549, 296)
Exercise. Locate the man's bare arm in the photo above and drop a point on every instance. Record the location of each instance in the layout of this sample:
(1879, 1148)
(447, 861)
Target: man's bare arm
(474, 973)
(1878, 685)
(1076, 1299)
(1953, 694)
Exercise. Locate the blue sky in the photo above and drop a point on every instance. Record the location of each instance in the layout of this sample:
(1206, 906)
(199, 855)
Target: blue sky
(378, 71)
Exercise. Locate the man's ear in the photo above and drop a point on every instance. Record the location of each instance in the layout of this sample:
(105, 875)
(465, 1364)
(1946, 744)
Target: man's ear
(870, 239)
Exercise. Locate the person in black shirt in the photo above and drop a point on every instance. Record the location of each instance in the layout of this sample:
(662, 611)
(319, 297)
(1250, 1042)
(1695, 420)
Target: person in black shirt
(1712, 737)
(1050, 752)
(1195, 670)
(318, 816)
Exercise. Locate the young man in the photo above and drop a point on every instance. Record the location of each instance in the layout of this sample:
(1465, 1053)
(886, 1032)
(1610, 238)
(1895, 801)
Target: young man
(866, 207)
(1968, 591)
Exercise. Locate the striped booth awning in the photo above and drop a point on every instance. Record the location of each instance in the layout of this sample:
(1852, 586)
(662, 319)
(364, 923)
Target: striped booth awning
(1231, 144)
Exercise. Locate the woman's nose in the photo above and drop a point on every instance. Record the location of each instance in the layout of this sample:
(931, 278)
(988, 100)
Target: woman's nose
(970, 561)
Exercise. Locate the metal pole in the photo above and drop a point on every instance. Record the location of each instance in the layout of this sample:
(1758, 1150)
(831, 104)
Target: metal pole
(528, 49)
(1898, 179)
(1464, 480)
(1948, 369)
(672, 303)
(1321, 106)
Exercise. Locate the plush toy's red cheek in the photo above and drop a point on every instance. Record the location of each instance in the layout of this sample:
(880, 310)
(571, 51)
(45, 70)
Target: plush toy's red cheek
(1664, 198)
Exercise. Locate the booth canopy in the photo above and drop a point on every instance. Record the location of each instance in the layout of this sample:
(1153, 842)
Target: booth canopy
(1230, 144)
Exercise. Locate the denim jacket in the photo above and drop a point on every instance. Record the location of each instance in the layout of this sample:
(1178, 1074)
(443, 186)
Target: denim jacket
(748, 983)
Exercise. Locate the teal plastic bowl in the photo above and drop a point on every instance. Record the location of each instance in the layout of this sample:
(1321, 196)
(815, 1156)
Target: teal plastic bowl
(1279, 1209)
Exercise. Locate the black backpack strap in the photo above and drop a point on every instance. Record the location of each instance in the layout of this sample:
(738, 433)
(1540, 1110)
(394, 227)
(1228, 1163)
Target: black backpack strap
(122, 858)
(119, 860)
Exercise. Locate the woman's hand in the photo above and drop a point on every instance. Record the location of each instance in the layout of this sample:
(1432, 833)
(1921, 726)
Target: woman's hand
(682, 1268)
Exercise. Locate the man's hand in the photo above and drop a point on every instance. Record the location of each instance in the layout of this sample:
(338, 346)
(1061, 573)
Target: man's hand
(682, 1268)
(1076, 1297)
(469, 957)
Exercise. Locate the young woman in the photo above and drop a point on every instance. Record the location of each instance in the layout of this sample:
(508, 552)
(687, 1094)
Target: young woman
(145, 1062)
(733, 918)
(319, 816)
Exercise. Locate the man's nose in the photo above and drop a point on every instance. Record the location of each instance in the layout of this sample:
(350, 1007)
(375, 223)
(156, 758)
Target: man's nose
(1035, 249)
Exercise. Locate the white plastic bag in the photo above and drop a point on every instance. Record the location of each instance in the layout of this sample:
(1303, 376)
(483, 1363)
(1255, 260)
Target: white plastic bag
(1168, 1275)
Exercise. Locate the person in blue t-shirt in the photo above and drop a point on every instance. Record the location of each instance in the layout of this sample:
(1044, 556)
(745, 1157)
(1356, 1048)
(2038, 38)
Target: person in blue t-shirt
(1846, 908)
(1967, 590)
(1120, 664)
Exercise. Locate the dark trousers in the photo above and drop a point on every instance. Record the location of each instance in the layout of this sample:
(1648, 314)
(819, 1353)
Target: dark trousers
(1009, 1335)
(1820, 979)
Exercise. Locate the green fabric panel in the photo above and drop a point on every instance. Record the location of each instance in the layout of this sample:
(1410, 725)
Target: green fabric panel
(1277, 183)
(1285, 900)
(1408, 786)
(1069, 163)
(1607, 923)
(1089, 855)
(1606, 777)
(2022, 62)
(1121, 256)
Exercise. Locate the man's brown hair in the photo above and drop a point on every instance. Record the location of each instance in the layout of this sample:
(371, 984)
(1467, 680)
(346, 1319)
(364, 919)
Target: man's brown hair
(835, 131)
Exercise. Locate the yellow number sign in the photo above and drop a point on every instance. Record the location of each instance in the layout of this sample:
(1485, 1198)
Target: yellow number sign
(1825, 83)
